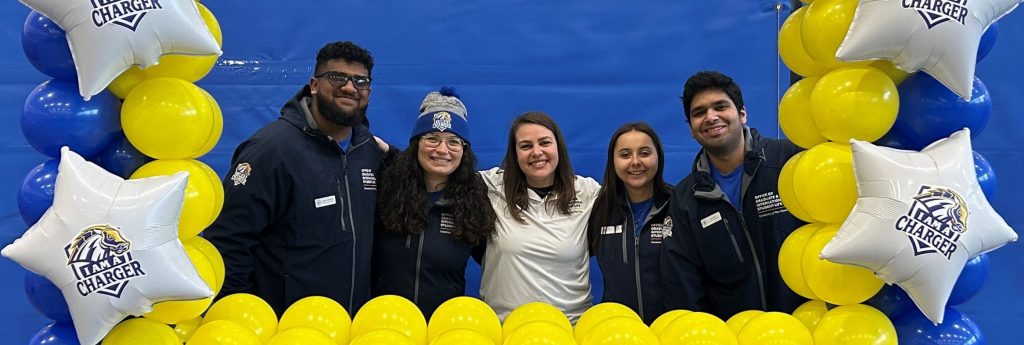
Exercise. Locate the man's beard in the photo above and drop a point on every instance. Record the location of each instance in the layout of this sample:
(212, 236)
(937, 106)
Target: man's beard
(338, 116)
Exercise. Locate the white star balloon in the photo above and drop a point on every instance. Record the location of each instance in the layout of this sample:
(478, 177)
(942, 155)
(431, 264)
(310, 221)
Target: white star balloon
(110, 245)
(919, 217)
(940, 37)
(109, 36)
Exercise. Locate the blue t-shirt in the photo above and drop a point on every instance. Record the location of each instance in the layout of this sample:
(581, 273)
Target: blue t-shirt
(345, 143)
(731, 183)
(435, 196)
(640, 212)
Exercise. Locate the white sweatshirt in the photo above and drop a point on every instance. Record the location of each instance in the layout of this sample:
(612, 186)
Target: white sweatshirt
(544, 260)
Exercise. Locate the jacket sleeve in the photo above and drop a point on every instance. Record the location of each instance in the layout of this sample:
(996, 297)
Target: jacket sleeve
(253, 199)
(681, 266)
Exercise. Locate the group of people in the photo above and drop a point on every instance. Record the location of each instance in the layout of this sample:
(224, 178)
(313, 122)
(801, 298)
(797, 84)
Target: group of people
(316, 205)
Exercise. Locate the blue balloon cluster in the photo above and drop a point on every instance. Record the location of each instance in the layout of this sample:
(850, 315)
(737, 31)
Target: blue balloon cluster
(930, 111)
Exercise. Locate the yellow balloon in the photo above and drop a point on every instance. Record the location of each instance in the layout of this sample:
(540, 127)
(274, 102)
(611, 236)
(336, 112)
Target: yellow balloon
(204, 197)
(736, 322)
(302, 336)
(187, 328)
(775, 328)
(465, 312)
(791, 47)
(534, 311)
(223, 332)
(598, 313)
(795, 115)
(187, 67)
(218, 129)
(213, 255)
(698, 328)
(620, 330)
(391, 312)
(538, 333)
(836, 283)
(855, 324)
(141, 331)
(786, 192)
(824, 184)
(167, 118)
(895, 73)
(462, 336)
(173, 312)
(854, 102)
(823, 29)
(320, 313)
(810, 312)
(382, 336)
(247, 310)
(659, 324)
(791, 256)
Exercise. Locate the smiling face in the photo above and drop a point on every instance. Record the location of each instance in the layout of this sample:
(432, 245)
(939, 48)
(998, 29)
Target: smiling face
(636, 161)
(716, 123)
(440, 161)
(537, 154)
(343, 106)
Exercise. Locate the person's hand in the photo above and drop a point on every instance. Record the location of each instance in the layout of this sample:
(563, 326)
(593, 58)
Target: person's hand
(383, 145)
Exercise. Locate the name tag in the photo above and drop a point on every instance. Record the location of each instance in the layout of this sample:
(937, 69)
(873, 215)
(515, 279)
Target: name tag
(709, 220)
(609, 230)
(325, 201)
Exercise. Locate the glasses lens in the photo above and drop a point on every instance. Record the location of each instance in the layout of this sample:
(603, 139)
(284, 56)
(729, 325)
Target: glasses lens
(340, 79)
(454, 144)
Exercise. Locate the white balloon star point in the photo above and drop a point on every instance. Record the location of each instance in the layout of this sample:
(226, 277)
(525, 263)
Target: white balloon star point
(109, 36)
(938, 37)
(918, 219)
(110, 245)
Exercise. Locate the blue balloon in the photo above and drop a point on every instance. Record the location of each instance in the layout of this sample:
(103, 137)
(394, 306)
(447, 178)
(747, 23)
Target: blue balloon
(46, 47)
(46, 298)
(986, 176)
(970, 281)
(892, 301)
(55, 333)
(121, 158)
(988, 40)
(36, 193)
(915, 329)
(55, 115)
(929, 111)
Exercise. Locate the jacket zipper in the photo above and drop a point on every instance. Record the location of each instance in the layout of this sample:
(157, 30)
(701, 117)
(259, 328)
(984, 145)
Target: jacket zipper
(735, 245)
(348, 196)
(419, 261)
(757, 264)
(636, 268)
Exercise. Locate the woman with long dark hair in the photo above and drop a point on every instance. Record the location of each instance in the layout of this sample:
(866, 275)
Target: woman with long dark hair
(630, 219)
(430, 209)
(539, 251)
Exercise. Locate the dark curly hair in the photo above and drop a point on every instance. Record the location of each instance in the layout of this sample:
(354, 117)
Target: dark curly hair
(606, 209)
(347, 51)
(515, 180)
(705, 80)
(402, 199)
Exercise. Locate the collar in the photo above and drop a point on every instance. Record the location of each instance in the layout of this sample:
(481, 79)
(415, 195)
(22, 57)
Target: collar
(705, 186)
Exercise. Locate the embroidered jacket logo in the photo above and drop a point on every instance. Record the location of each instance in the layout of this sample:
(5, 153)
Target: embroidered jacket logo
(126, 13)
(937, 218)
(935, 12)
(241, 174)
(102, 261)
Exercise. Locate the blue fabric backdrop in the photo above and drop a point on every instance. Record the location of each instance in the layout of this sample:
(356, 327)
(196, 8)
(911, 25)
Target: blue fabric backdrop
(593, 65)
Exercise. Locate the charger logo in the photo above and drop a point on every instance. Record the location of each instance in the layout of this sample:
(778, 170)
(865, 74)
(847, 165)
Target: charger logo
(126, 13)
(935, 12)
(937, 218)
(442, 120)
(102, 261)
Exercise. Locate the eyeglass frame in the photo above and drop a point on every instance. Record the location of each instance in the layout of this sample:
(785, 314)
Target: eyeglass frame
(337, 77)
(460, 143)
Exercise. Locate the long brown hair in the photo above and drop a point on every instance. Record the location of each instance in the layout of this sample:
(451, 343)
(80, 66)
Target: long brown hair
(516, 195)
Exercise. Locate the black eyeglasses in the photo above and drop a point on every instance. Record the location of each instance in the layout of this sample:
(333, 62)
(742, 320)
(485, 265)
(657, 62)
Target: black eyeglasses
(433, 140)
(338, 79)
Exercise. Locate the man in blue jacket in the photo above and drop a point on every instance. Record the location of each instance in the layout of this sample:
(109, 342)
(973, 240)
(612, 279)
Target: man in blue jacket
(299, 202)
(729, 222)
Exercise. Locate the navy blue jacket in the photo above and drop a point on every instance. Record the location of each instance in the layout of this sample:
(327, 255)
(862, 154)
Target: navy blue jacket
(719, 260)
(298, 213)
(631, 265)
(427, 268)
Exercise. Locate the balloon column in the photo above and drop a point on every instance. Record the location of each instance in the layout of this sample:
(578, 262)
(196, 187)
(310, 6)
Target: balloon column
(847, 94)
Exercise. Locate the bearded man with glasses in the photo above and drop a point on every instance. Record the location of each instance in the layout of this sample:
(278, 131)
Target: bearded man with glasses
(299, 203)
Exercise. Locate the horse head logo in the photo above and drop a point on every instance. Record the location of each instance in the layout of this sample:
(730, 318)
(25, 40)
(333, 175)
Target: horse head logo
(97, 242)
